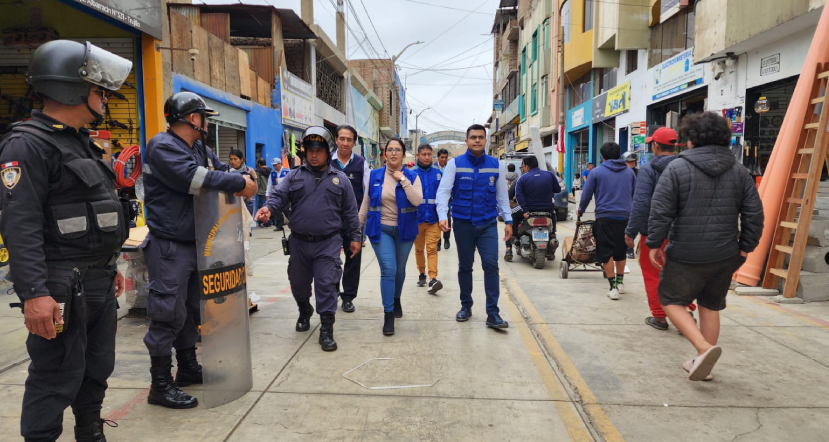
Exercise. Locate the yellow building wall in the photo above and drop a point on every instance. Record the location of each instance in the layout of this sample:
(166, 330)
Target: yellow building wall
(578, 52)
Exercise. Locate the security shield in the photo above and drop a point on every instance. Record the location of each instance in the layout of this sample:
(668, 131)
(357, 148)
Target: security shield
(225, 331)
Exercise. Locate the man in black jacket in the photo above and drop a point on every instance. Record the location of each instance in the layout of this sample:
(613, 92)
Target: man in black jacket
(707, 206)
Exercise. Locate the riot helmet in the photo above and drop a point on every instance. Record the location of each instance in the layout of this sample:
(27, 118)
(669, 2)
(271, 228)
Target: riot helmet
(317, 137)
(182, 104)
(630, 156)
(64, 71)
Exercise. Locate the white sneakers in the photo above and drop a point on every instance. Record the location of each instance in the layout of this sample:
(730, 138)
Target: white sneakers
(613, 294)
(620, 288)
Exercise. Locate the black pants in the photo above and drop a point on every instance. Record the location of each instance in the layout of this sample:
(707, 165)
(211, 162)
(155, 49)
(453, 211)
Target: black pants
(351, 270)
(72, 369)
(448, 233)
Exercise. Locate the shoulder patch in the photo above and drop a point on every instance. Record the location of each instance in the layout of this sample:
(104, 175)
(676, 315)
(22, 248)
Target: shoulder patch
(10, 173)
(336, 181)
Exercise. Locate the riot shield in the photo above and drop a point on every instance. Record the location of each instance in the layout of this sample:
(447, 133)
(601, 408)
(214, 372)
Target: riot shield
(225, 331)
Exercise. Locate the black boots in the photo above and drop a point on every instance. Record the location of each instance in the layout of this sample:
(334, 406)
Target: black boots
(398, 309)
(303, 324)
(327, 332)
(388, 325)
(163, 391)
(189, 371)
(93, 431)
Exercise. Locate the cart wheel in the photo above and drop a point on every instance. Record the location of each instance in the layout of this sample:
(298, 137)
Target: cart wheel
(563, 269)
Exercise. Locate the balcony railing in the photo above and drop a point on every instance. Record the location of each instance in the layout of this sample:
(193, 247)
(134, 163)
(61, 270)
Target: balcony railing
(510, 112)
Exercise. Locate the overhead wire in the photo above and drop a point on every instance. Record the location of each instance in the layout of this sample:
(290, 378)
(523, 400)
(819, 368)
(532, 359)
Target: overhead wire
(448, 7)
(445, 31)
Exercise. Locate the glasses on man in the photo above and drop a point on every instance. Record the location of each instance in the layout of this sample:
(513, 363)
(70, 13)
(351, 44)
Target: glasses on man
(393, 150)
(103, 93)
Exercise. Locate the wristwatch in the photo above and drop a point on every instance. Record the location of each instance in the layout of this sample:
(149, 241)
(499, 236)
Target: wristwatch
(402, 180)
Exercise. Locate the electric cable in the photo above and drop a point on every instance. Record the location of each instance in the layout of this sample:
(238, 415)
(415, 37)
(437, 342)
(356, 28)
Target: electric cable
(444, 32)
(131, 152)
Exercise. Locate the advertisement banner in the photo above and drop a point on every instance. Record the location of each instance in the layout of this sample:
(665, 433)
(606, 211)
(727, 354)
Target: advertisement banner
(676, 74)
(297, 101)
(364, 120)
(611, 103)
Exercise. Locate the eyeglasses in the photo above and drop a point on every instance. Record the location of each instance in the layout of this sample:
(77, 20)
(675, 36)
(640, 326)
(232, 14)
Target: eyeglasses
(102, 92)
(394, 150)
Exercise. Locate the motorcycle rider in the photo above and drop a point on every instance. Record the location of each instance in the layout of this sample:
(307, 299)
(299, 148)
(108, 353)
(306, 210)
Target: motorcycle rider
(535, 189)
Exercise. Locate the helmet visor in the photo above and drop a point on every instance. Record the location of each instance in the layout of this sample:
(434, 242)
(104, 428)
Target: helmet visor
(105, 69)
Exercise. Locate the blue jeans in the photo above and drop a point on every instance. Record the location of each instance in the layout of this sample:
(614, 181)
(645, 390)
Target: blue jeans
(392, 256)
(485, 239)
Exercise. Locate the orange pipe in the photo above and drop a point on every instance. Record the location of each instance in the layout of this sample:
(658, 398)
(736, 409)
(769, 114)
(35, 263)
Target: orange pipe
(779, 166)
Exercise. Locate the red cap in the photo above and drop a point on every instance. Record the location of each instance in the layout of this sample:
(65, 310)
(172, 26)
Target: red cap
(663, 135)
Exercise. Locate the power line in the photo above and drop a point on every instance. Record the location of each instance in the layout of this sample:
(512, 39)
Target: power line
(451, 69)
(411, 66)
(372, 26)
(447, 30)
(446, 85)
(448, 7)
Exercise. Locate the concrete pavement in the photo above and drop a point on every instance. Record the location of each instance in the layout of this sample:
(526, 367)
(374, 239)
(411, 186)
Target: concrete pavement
(572, 366)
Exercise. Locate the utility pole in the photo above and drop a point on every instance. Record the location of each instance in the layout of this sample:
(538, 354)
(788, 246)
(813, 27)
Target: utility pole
(561, 99)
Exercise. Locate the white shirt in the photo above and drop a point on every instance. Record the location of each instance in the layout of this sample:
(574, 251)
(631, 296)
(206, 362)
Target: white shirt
(447, 181)
(366, 170)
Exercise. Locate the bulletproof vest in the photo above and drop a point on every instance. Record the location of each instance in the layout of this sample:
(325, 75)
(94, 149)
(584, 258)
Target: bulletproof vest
(354, 171)
(86, 219)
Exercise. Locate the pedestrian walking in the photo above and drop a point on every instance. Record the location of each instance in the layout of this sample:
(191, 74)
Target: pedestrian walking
(263, 173)
(477, 185)
(356, 168)
(178, 165)
(585, 173)
(321, 201)
(236, 159)
(443, 160)
(429, 232)
(278, 173)
(630, 161)
(612, 184)
(389, 212)
(63, 225)
(706, 205)
(663, 144)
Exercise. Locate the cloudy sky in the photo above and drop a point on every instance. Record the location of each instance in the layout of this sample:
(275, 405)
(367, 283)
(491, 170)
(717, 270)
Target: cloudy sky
(457, 50)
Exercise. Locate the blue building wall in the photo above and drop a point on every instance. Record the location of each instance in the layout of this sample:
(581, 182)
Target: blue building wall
(264, 124)
(569, 166)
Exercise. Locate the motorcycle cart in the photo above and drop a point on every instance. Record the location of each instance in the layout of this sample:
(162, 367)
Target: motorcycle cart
(579, 252)
(536, 240)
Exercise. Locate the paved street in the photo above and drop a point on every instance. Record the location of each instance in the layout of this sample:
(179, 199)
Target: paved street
(572, 366)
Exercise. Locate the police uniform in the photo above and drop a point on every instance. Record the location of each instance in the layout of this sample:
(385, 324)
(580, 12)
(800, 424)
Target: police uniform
(357, 171)
(321, 203)
(64, 226)
(173, 172)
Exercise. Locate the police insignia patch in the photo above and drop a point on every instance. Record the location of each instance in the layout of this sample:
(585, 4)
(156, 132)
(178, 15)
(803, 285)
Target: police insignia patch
(438, 176)
(336, 181)
(491, 180)
(11, 174)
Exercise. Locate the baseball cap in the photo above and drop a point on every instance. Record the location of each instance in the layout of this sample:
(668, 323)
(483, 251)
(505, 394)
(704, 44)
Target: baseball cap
(663, 135)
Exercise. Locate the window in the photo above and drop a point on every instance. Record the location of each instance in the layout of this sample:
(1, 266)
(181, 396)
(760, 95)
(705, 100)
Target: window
(523, 61)
(534, 99)
(546, 43)
(631, 61)
(535, 46)
(579, 91)
(521, 105)
(673, 36)
(605, 79)
(588, 15)
(565, 21)
(544, 91)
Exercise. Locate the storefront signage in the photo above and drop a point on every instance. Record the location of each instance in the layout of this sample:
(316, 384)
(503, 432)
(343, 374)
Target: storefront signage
(676, 74)
(144, 15)
(639, 139)
(737, 129)
(611, 103)
(770, 65)
(498, 105)
(297, 101)
(577, 118)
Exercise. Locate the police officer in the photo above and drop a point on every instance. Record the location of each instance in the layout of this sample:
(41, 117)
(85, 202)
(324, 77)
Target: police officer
(356, 168)
(478, 188)
(322, 202)
(64, 226)
(177, 164)
(535, 190)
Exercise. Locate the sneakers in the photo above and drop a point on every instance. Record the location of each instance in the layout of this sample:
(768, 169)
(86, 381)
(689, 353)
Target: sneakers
(434, 286)
(653, 322)
(421, 282)
(613, 294)
(620, 288)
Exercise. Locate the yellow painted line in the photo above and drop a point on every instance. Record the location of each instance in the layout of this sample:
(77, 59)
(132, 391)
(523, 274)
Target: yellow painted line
(573, 424)
(788, 312)
(733, 308)
(591, 404)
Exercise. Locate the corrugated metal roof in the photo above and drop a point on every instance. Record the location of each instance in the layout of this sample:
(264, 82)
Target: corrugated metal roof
(255, 21)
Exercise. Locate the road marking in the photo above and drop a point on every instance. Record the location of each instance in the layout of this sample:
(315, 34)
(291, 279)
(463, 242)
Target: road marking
(573, 424)
(588, 399)
(789, 312)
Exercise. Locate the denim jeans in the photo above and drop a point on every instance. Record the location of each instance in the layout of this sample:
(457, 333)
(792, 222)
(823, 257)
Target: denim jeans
(392, 256)
(485, 239)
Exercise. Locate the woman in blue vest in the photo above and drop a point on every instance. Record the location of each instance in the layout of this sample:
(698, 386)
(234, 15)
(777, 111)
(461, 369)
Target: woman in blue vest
(389, 211)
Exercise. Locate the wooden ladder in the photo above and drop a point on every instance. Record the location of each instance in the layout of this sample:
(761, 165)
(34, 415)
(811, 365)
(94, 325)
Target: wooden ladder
(801, 190)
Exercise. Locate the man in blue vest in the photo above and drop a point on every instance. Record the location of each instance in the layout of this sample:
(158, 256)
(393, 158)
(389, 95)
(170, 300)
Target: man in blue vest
(427, 219)
(478, 187)
(356, 168)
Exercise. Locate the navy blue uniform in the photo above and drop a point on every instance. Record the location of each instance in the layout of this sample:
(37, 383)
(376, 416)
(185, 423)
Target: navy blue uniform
(355, 169)
(535, 190)
(173, 173)
(320, 207)
(63, 226)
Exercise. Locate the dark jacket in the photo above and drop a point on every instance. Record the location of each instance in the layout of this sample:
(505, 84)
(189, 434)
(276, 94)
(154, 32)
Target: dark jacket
(645, 185)
(535, 190)
(706, 204)
(262, 175)
(613, 183)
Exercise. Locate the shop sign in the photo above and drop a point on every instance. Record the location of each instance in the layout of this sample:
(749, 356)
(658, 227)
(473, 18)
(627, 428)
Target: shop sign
(639, 139)
(144, 15)
(498, 105)
(770, 65)
(737, 129)
(297, 101)
(676, 74)
(611, 103)
(577, 118)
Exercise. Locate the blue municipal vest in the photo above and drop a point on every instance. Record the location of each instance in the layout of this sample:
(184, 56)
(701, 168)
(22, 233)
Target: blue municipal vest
(406, 212)
(473, 193)
(427, 211)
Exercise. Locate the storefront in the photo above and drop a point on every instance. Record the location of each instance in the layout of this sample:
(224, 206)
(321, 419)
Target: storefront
(27, 25)
(606, 107)
(677, 89)
(579, 140)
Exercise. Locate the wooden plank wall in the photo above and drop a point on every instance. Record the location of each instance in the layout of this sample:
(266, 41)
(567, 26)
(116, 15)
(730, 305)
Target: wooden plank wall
(181, 37)
(202, 65)
(217, 61)
(232, 70)
(244, 74)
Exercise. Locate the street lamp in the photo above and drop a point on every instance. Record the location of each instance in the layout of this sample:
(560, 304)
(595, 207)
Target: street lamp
(393, 59)
(417, 133)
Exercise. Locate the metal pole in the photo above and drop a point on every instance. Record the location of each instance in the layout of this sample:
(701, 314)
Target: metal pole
(561, 98)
